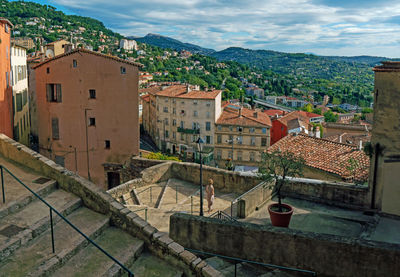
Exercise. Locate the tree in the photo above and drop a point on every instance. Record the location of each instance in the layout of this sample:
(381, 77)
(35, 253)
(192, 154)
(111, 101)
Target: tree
(307, 108)
(330, 116)
(277, 166)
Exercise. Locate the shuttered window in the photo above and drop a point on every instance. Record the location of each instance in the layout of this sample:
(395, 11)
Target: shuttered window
(18, 100)
(53, 93)
(54, 128)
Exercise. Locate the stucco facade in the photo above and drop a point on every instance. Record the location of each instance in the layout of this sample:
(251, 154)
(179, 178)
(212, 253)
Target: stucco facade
(87, 108)
(20, 94)
(385, 163)
(6, 113)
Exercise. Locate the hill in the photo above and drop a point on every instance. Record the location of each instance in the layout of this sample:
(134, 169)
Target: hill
(167, 42)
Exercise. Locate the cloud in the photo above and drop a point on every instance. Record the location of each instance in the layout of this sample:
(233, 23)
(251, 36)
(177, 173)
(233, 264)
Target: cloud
(334, 27)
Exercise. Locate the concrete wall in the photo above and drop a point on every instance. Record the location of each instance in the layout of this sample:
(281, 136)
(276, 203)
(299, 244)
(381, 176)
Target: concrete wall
(253, 199)
(98, 200)
(325, 254)
(115, 109)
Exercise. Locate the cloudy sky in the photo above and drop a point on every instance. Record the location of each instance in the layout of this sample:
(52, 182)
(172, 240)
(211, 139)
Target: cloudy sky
(325, 27)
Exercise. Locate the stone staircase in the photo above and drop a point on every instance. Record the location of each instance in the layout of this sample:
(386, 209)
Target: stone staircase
(26, 244)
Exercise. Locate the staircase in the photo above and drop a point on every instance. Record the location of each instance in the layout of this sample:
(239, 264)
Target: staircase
(26, 238)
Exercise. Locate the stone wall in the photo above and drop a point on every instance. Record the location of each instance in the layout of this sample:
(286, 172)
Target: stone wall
(325, 254)
(98, 200)
(254, 199)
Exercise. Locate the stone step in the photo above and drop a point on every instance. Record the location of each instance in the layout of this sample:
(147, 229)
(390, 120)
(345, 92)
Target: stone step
(90, 261)
(19, 228)
(36, 258)
(19, 197)
(148, 265)
(150, 196)
(219, 263)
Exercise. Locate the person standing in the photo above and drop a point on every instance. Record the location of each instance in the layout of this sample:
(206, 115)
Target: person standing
(210, 194)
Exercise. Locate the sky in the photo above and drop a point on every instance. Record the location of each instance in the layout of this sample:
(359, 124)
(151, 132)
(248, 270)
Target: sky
(322, 27)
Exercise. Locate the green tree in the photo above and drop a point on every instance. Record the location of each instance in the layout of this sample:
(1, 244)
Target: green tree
(330, 116)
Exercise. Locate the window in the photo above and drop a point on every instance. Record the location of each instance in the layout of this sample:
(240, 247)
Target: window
(219, 154)
(231, 128)
(173, 111)
(239, 129)
(53, 93)
(54, 128)
(182, 136)
(208, 126)
(219, 127)
(18, 101)
(219, 139)
(263, 141)
(92, 93)
(194, 138)
(195, 113)
(165, 109)
(48, 70)
(230, 141)
(74, 63)
(182, 125)
(182, 112)
(6, 28)
(208, 104)
(239, 140)
(166, 100)
(166, 134)
(252, 130)
(166, 121)
(208, 114)
(173, 101)
(174, 122)
(194, 102)
(252, 156)
(264, 130)
(239, 155)
(92, 121)
(253, 141)
(123, 70)
(173, 135)
(107, 144)
(208, 139)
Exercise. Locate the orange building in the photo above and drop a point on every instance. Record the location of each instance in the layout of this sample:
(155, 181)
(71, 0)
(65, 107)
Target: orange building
(6, 112)
(87, 113)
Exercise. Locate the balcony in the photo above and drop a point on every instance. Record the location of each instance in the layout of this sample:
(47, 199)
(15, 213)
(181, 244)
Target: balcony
(189, 131)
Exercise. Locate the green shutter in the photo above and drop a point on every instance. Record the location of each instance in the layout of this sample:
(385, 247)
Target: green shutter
(58, 91)
(18, 97)
(54, 128)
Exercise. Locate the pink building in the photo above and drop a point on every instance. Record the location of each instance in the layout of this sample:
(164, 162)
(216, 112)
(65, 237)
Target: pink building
(87, 113)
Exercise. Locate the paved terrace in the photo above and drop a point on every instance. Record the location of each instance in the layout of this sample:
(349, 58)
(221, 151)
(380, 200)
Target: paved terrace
(177, 197)
(318, 218)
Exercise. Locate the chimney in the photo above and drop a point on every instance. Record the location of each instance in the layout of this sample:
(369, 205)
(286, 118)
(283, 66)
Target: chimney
(240, 112)
(361, 145)
(188, 89)
(255, 114)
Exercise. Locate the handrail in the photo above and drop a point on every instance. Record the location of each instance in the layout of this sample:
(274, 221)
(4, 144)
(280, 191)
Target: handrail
(139, 210)
(130, 274)
(222, 216)
(313, 273)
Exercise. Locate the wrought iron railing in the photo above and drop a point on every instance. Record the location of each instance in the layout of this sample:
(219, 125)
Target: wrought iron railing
(52, 209)
(222, 216)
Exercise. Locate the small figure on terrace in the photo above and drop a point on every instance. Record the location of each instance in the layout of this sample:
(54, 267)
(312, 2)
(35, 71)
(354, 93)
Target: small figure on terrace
(210, 194)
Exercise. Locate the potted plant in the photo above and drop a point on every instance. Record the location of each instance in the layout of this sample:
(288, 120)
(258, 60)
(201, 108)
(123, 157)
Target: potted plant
(274, 168)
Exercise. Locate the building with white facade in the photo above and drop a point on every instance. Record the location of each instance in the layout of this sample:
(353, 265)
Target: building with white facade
(20, 94)
(128, 44)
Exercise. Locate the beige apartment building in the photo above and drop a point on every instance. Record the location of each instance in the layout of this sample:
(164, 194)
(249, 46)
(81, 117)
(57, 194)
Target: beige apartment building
(240, 136)
(182, 115)
(20, 94)
(87, 113)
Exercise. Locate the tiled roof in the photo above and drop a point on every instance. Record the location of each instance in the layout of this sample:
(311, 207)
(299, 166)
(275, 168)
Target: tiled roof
(302, 115)
(325, 155)
(274, 112)
(81, 50)
(150, 90)
(231, 117)
(5, 20)
(179, 91)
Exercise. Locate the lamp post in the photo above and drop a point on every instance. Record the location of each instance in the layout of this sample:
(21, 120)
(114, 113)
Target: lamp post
(200, 142)
(87, 144)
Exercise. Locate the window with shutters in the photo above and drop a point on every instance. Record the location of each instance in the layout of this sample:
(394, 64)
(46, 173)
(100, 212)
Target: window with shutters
(263, 141)
(53, 93)
(18, 100)
(208, 126)
(48, 70)
(74, 63)
(92, 93)
(123, 70)
(24, 97)
(54, 128)
(219, 139)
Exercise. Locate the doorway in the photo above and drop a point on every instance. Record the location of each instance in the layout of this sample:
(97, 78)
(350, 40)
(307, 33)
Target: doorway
(113, 179)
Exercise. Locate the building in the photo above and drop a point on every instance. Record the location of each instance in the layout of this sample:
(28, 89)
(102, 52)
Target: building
(56, 48)
(6, 112)
(182, 116)
(87, 109)
(25, 42)
(241, 135)
(255, 91)
(274, 113)
(326, 160)
(128, 44)
(20, 94)
(149, 118)
(384, 175)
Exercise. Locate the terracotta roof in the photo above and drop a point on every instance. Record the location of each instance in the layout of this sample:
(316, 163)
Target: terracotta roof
(296, 123)
(230, 116)
(302, 115)
(274, 112)
(325, 155)
(179, 91)
(145, 98)
(81, 50)
(150, 90)
(388, 66)
(5, 20)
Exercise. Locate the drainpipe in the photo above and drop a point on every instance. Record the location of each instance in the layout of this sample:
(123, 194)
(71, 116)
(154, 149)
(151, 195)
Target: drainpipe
(377, 150)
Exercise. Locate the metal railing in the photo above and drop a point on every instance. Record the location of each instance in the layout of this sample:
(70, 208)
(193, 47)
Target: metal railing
(51, 208)
(222, 216)
(238, 260)
(151, 191)
(139, 210)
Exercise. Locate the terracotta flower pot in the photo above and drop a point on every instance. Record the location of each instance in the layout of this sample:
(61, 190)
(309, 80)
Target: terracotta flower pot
(280, 219)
